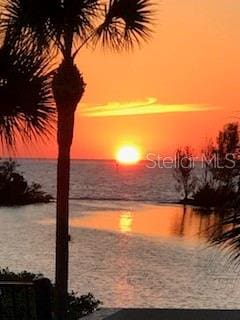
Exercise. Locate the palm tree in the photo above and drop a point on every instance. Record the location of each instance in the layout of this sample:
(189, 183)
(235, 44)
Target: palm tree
(226, 233)
(64, 27)
(26, 103)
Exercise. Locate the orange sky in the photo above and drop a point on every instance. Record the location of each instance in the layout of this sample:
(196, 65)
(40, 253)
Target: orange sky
(191, 65)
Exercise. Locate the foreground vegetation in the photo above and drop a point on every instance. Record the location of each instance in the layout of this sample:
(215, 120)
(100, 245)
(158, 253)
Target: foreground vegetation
(15, 190)
(78, 306)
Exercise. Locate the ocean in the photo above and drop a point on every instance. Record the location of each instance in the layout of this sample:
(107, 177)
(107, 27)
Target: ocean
(131, 246)
(104, 180)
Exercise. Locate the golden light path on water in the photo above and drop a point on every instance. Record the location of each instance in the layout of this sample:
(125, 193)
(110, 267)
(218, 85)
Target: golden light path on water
(150, 221)
(125, 222)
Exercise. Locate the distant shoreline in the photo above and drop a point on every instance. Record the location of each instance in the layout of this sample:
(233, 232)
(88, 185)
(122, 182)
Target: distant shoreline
(147, 202)
(127, 200)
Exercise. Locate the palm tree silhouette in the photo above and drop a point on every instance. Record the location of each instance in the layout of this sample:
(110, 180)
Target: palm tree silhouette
(27, 108)
(64, 27)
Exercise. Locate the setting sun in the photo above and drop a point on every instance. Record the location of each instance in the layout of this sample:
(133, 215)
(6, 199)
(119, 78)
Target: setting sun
(128, 155)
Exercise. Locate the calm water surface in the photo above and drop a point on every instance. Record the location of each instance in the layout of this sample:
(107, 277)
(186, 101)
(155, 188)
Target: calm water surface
(128, 253)
(131, 255)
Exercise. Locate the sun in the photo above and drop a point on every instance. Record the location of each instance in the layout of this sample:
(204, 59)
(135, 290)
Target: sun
(128, 155)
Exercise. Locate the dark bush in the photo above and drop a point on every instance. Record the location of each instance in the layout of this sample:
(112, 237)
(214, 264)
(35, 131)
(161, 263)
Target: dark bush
(208, 196)
(14, 189)
(79, 306)
(7, 275)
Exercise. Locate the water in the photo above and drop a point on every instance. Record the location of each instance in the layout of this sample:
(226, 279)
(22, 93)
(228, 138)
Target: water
(128, 253)
(103, 180)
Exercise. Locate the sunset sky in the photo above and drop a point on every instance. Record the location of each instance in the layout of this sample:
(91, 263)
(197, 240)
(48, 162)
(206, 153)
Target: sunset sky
(178, 89)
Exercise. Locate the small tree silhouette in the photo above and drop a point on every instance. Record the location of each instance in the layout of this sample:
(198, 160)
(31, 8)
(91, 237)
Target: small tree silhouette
(184, 165)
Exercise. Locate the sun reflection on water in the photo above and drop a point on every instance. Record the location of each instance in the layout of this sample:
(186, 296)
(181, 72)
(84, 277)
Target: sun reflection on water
(125, 222)
(172, 222)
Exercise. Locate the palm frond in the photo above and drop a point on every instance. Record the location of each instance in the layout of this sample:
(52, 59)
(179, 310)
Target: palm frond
(227, 235)
(26, 101)
(126, 23)
(38, 24)
(29, 22)
(80, 15)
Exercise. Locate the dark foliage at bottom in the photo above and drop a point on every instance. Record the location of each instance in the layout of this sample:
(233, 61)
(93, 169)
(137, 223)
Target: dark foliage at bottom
(24, 299)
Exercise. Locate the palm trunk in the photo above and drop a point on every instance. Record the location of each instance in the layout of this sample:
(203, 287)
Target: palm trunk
(68, 88)
(65, 134)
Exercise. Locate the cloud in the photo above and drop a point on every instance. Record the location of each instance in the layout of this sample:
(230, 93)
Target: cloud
(150, 106)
